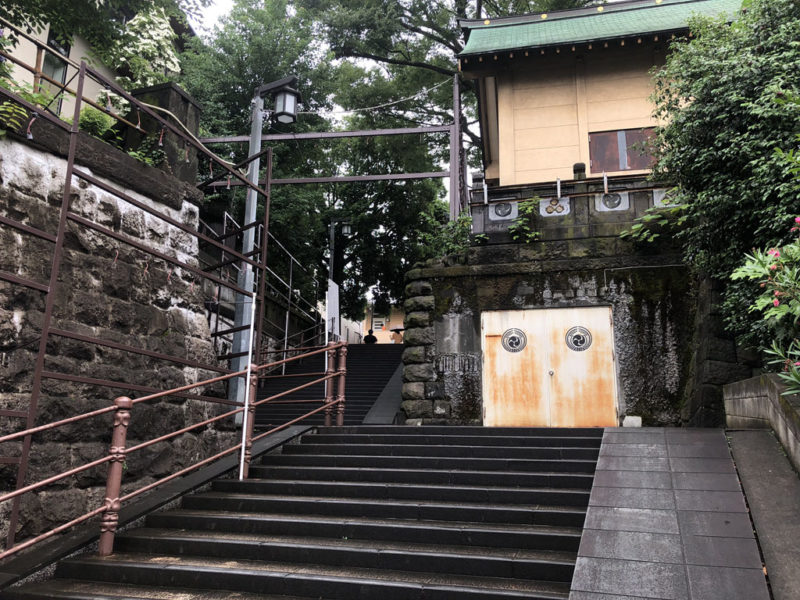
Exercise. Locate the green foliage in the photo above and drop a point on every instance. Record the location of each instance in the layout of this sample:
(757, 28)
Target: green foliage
(720, 95)
(777, 272)
(440, 239)
(149, 152)
(523, 229)
(100, 23)
(655, 222)
(95, 122)
(147, 55)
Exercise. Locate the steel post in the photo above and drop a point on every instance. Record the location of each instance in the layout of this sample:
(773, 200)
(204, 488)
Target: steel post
(108, 524)
(249, 422)
(340, 397)
(329, 371)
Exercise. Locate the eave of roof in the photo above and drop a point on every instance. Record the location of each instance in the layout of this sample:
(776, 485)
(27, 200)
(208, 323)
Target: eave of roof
(610, 21)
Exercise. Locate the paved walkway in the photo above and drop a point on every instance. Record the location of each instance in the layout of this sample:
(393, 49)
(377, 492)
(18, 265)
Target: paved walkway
(773, 492)
(667, 520)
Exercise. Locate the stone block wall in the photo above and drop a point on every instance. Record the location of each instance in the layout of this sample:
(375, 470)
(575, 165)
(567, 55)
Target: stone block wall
(653, 300)
(110, 290)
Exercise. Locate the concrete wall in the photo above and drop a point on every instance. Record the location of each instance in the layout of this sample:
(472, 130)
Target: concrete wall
(109, 290)
(548, 107)
(651, 299)
(79, 51)
(759, 403)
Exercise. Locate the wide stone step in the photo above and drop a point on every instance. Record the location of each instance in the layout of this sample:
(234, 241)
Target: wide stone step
(406, 475)
(430, 462)
(454, 439)
(408, 491)
(75, 589)
(332, 583)
(496, 535)
(471, 512)
(396, 556)
(463, 451)
(476, 430)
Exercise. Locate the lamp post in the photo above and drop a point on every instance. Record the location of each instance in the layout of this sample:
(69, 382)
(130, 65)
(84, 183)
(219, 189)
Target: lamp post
(332, 301)
(286, 100)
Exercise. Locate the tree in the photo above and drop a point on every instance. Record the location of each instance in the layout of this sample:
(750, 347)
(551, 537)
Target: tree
(100, 23)
(719, 95)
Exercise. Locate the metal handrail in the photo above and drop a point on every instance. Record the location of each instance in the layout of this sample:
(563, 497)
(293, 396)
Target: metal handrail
(118, 451)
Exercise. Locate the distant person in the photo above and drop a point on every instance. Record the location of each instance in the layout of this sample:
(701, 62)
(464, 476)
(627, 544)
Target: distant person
(370, 339)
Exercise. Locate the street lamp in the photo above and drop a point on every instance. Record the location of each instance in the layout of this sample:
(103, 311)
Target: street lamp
(332, 297)
(286, 100)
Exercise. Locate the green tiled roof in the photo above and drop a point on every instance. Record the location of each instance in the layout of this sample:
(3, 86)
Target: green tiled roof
(585, 25)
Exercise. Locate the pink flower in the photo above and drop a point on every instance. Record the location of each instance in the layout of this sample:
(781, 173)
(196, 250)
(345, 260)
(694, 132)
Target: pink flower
(797, 364)
(797, 219)
(773, 267)
(777, 293)
(776, 302)
(774, 252)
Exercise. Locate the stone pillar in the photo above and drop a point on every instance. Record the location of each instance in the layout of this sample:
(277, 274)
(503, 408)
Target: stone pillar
(419, 375)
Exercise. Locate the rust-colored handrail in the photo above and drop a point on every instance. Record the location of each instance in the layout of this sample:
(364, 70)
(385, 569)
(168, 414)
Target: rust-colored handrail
(123, 408)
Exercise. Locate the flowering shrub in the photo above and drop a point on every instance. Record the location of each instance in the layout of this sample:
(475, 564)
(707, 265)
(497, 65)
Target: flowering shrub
(778, 272)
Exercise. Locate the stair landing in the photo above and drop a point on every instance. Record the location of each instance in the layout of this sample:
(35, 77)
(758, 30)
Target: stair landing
(667, 520)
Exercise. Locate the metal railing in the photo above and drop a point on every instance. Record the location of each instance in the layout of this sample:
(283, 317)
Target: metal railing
(123, 411)
(161, 125)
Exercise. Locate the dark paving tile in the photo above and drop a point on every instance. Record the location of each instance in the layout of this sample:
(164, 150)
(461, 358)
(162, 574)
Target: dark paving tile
(723, 482)
(592, 596)
(717, 583)
(630, 578)
(649, 450)
(716, 524)
(632, 463)
(633, 479)
(632, 498)
(710, 501)
(632, 545)
(631, 519)
(702, 465)
(709, 450)
(639, 437)
(693, 433)
(721, 552)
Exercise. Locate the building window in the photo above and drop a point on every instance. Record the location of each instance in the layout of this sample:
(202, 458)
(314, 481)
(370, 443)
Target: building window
(622, 150)
(55, 68)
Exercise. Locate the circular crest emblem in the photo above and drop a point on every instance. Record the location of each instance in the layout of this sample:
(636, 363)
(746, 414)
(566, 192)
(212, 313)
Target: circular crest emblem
(579, 339)
(514, 340)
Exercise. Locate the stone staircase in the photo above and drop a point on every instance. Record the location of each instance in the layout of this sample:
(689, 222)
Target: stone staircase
(390, 513)
(369, 368)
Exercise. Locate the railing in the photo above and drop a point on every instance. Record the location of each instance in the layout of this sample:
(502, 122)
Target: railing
(122, 409)
(164, 128)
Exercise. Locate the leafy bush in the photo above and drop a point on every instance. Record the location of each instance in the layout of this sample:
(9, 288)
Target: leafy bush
(522, 228)
(95, 122)
(777, 270)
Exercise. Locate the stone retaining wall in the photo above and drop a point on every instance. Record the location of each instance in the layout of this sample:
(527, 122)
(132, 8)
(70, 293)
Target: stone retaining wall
(109, 290)
(759, 403)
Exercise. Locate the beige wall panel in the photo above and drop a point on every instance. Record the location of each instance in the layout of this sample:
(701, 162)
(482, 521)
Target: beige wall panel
(636, 111)
(506, 132)
(542, 175)
(548, 158)
(548, 116)
(544, 95)
(547, 137)
(620, 88)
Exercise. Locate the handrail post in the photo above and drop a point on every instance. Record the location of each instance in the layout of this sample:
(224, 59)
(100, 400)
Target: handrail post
(329, 371)
(340, 393)
(251, 413)
(108, 524)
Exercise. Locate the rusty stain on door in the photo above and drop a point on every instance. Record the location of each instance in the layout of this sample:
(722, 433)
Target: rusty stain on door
(562, 374)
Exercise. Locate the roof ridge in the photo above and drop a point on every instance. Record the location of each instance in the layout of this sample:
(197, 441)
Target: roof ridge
(573, 13)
